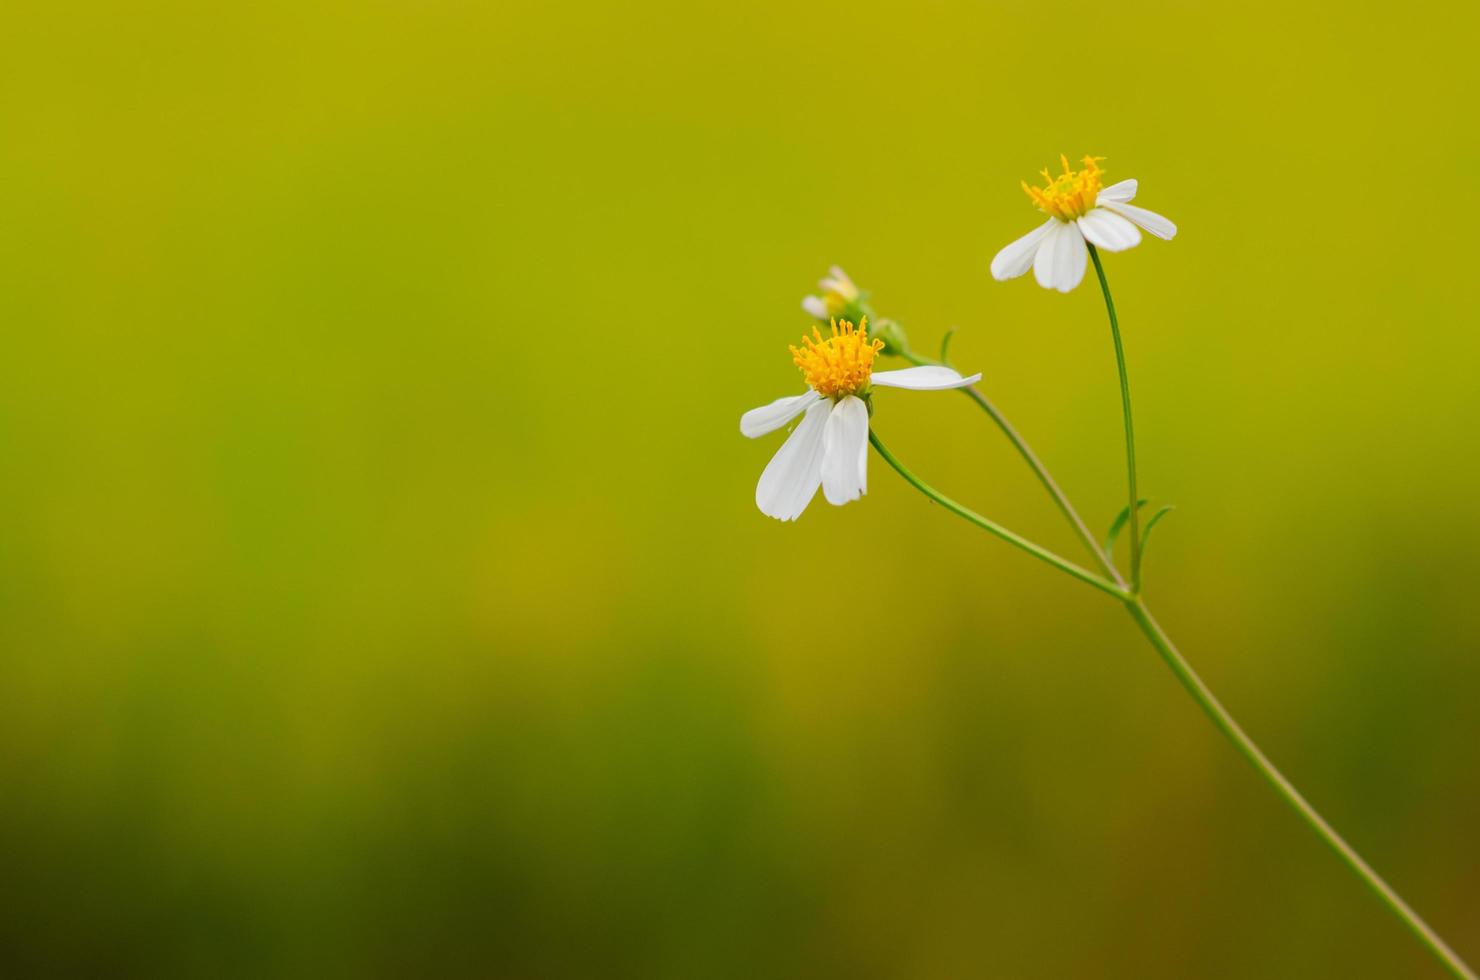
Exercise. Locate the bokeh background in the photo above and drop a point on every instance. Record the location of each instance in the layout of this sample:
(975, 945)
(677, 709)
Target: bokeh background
(381, 590)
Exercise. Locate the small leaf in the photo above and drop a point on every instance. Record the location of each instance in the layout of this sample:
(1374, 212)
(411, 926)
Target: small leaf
(945, 346)
(1146, 536)
(1118, 523)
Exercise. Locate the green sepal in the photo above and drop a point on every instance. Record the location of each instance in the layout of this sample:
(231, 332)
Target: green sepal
(1163, 511)
(1118, 523)
(945, 347)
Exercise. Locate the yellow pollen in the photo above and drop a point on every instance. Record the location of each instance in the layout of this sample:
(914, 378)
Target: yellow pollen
(1071, 194)
(840, 364)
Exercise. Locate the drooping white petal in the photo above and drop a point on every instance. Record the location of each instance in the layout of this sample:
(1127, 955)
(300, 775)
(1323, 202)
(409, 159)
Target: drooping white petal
(927, 377)
(769, 418)
(1062, 258)
(1123, 192)
(815, 307)
(845, 451)
(791, 478)
(1150, 220)
(1109, 231)
(1043, 258)
(1072, 259)
(1017, 258)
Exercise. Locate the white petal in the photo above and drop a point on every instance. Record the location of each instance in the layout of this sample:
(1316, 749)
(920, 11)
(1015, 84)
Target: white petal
(769, 418)
(1017, 258)
(815, 307)
(1043, 258)
(1061, 258)
(1150, 220)
(794, 473)
(1123, 192)
(845, 451)
(1109, 231)
(1070, 259)
(927, 377)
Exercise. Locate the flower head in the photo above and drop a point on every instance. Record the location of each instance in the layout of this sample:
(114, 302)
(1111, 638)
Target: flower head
(1079, 208)
(829, 448)
(840, 298)
(1070, 195)
(840, 364)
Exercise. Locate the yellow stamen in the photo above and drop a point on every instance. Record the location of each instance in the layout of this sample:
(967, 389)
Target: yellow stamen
(840, 364)
(1071, 194)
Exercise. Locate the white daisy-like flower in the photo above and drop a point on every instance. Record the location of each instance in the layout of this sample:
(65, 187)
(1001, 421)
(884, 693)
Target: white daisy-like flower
(1078, 210)
(837, 299)
(829, 448)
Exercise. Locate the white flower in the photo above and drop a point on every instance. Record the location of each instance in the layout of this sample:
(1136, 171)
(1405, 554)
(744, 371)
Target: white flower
(1079, 210)
(838, 296)
(830, 447)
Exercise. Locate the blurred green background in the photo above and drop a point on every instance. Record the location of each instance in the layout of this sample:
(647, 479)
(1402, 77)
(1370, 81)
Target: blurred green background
(381, 589)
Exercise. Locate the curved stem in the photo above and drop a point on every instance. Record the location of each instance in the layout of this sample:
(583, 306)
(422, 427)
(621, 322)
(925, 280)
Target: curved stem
(1135, 604)
(1219, 715)
(1224, 722)
(1130, 431)
(1041, 471)
(1037, 551)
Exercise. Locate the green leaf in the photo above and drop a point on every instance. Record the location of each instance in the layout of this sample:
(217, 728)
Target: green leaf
(1146, 535)
(945, 346)
(1118, 523)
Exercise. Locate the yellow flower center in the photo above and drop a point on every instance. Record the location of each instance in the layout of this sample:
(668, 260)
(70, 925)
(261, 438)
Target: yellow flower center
(840, 364)
(1072, 193)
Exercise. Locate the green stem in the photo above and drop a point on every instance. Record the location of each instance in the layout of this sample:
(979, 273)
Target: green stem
(1037, 551)
(1135, 604)
(1224, 722)
(1130, 431)
(1041, 471)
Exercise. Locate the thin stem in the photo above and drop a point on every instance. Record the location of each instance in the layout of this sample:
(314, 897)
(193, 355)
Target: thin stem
(1130, 431)
(1037, 551)
(1224, 722)
(1219, 715)
(1135, 604)
(1041, 471)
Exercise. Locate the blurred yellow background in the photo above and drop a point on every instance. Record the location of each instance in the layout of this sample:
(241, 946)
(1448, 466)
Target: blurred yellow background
(381, 588)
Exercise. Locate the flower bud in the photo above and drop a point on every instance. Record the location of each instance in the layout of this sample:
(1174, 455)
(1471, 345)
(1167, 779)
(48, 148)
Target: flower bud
(840, 299)
(892, 334)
